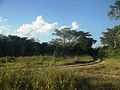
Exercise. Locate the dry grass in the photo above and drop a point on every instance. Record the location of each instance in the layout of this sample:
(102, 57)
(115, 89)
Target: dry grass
(42, 73)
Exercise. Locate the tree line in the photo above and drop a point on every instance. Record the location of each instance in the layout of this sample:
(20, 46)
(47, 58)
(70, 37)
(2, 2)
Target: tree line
(68, 42)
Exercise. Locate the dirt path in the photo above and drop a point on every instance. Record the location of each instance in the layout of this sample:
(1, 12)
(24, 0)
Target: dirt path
(87, 66)
(83, 65)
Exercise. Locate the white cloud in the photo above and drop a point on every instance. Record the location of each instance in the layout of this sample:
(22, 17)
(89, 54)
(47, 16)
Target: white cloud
(36, 27)
(75, 26)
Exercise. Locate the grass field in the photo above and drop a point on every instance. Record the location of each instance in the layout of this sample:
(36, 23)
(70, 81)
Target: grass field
(62, 73)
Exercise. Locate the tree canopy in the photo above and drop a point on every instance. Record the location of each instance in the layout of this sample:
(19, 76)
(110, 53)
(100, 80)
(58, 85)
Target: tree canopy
(18, 46)
(111, 39)
(66, 36)
(115, 10)
(68, 42)
(74, 42)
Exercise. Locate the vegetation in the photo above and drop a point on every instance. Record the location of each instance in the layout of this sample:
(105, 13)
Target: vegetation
(68, 62)
(111, 40)
(31, 73)
(70, 42)
(114, 13)
(73, 37)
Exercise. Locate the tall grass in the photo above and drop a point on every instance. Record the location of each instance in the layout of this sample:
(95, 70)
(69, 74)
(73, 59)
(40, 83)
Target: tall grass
(21, 79)
(39, 79)
(23, 75)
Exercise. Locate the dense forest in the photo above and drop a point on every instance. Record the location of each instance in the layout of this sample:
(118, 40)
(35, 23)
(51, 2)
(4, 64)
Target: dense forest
(69, 42)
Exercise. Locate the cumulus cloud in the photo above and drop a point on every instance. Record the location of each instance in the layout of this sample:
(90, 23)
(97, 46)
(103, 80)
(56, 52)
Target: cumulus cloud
(75, 26)
(37, 26)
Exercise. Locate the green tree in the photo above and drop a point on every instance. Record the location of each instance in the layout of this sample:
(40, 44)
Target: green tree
(111, 39)
(115, 10)
(68, 36)
(17, 46)
(63, 35)
(73, 41)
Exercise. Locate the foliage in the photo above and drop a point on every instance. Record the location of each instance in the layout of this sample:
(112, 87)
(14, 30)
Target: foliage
(115, 10)
(18, 76)
(111, 39)
(73, 42)
(74, 37)
(17, 46)
(70, 42)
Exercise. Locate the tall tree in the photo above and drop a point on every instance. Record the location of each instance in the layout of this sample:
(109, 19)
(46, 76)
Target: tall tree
(68, 36)
(111, 39)
(63, 35)
(73, 41)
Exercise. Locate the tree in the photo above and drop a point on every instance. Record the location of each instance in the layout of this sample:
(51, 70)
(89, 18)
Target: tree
(63, 34)
(73, 41)
(115, 10)
(68, 36)
(111, 39)
(17, 46)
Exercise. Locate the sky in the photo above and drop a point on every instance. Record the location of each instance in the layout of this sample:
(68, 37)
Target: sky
(38, 18)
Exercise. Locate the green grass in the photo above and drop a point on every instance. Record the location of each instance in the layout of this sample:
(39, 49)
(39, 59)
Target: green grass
(44, 73)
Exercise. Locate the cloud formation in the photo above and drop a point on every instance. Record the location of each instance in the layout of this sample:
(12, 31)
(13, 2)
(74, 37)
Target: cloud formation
(37, 26)
(74, 26)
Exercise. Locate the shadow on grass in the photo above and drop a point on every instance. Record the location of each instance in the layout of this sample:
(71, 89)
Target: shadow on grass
(89, 84)
(7, 59)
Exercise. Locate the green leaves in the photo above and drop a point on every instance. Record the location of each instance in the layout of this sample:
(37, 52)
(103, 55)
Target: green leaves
(73, 37)
(111, 39)
(114, 13)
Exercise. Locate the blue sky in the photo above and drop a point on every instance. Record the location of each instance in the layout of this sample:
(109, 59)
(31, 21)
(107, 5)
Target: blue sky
(91, 15)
